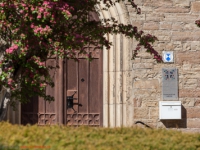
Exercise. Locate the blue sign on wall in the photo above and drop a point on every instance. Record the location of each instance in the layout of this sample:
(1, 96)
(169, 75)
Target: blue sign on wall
(168, 56)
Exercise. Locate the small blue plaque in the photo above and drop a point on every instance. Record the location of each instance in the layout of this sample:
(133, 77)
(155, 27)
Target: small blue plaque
(168, 56)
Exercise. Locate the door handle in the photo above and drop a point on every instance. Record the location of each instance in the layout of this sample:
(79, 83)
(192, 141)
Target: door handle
(70, 102)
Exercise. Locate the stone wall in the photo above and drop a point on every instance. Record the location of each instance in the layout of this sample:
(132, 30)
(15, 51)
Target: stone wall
(173, 22)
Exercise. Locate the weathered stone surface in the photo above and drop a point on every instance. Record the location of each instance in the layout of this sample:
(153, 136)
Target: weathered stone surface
(137, 102)
(148, 103)
(193, 112)
(151, 26)
(190, 83)
(190, 26)
(165, 25)
(186, 66)
(195, 7)
(143, 66)
(154, 113)
(137, 24)
(197, 102)
(188, 102)
(195, 45)
(183, 3)
(186, 46)
(154, 17)
(189, 93)
(189, 57)
(173, 23)
(185, 36)
(178, 46)
(193, 123)
(182, 17)
(177, 26)
(156, 3)
(172, 10)
(141, 113)
(146, 84)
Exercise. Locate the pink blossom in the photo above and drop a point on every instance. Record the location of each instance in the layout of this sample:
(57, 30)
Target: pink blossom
(11, 49)
(39, 16)
(10, 81)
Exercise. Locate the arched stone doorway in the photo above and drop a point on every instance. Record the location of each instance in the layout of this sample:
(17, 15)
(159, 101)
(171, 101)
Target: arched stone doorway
(117, 82)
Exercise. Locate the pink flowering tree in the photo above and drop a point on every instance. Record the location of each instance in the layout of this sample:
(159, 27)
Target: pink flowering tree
(35, 30)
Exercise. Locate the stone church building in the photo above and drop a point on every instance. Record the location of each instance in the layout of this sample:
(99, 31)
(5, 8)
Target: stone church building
(125, 91)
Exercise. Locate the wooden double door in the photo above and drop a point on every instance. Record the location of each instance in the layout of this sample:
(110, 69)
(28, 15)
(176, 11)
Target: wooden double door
(84, 81)
(82, 78)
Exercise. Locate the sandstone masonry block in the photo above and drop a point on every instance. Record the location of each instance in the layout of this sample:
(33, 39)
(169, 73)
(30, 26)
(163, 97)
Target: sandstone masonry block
(190, 26)
(177, 26)
(148, 103)
(189, 57)
(181, 17)
(190, 83)
(141, 113)
(183, 3)
(137, 102)
(193, 123)
(189, 93)
(172, 10)
(166, 25)
(197, 102)
(143, 66)
(146, 84)
(185, 36)
(186, 46)
(193, 112)
(188, 102)
(151, 26)
(195, 7)
(154, 113)
(195, 45)
(155, 17)
(156, 3)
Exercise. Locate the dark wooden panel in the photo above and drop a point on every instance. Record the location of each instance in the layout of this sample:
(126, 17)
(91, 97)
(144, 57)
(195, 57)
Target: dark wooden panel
(83, 85)
(29, 111)
(72, 83)
(71, 75)
(50, 106)
(94, 102)
(100, 75)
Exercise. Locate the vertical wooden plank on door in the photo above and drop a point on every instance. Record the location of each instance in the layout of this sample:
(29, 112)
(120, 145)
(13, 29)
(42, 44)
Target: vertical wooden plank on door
(47, 113)
(101, 85)
(50, 106)
(83, 85)
(95, 88)
(71, 88)
(94, 102)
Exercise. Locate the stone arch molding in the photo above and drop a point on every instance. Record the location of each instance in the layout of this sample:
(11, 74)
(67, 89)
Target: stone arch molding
(117, 107)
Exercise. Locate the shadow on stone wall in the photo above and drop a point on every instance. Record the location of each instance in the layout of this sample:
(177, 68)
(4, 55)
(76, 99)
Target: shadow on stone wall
(177, 123)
